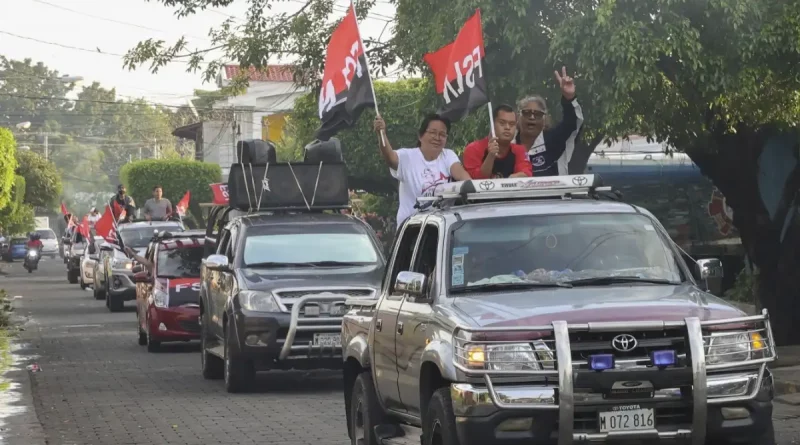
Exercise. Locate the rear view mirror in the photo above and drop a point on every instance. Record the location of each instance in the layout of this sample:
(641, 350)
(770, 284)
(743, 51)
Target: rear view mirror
(141, 277)
(710, 268)
(411, 283)
(217, 262)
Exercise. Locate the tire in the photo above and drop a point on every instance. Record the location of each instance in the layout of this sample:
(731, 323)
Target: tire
(153, 345)
(30, 270)
(439, 423)
(72, 277)
(768, 438)
(365, 411)
(98, 294)
(239, 373)
(142, 334)
(213, 366)
(115, 304)
(83, 284)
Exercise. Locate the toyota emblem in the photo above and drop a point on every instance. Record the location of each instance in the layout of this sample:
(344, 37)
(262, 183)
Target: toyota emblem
(486, 185)
(580, 180)
(624, 343)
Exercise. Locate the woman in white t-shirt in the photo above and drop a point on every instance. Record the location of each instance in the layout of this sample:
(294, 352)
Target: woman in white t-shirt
(422, 168)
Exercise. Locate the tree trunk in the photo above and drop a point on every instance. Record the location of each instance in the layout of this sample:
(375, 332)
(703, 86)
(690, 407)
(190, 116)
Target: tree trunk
(731, 161)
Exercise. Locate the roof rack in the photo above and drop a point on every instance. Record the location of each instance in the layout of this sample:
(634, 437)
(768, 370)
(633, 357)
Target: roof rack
(518, 189)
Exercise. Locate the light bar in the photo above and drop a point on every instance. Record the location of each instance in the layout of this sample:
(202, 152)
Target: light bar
(557, 184)
(601, 362)
(663, 359)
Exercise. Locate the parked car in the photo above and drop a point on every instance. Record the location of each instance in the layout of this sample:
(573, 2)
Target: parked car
(49, 240)
(537, 311)
(118, 282)
(91, 253)
(16, 249)
(168, 295)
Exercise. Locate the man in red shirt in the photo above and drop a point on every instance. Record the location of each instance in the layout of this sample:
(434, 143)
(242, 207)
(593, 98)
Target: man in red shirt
(498, 157)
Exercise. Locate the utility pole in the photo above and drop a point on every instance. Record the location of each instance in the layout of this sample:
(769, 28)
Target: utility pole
(45, 147)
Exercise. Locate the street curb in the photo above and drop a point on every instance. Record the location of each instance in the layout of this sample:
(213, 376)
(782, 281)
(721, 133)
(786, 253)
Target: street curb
(782, 387)
(23, 428)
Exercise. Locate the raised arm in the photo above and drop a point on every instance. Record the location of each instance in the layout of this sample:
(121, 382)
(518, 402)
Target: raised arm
(388, 153)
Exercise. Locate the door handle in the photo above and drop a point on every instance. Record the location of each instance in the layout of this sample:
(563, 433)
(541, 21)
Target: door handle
(400, 327)
(378, 325)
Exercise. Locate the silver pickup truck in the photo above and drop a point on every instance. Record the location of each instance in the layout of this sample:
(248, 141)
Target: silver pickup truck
(544, 311)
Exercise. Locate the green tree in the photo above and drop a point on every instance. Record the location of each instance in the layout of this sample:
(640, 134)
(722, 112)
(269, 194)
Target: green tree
(17, 217)
(8, 164)
(42, 179)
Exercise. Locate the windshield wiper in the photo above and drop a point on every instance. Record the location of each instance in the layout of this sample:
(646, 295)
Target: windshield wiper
(336, 263)
(620, 279)
(506, 286)
(276, 265)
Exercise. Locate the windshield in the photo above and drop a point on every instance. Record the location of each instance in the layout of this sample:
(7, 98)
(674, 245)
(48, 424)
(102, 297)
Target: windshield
(560, 249)
(140, 237)
(320, 243)
(183, 262)
(46, 234)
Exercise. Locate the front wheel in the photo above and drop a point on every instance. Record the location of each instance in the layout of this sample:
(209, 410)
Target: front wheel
(439, 425)
(213, 366)
(239, 372)
(365, 412)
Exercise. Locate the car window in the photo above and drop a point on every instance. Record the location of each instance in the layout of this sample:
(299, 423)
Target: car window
(288, 244)
(404, 252)
(139, 237)
(181, 262)
(426, 256)
(46, 234)
(559, 248)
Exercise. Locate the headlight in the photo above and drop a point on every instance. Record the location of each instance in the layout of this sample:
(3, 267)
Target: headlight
(121, 264)
(32, 254)
(160, 298)
(509, 357)
(258, 301)
(729, 347)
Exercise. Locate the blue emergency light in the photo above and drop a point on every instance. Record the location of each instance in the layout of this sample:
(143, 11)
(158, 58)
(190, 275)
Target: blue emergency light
(663, 359)
(601, 362)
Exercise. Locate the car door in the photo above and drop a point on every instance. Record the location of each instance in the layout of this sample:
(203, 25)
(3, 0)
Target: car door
(383, 346)
(145, 289)
(214, 290)
(413, 318)
(226, 278)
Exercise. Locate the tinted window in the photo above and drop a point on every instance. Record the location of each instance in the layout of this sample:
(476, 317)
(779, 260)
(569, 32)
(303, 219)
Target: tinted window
(18, 241)
(287, 244)
(46, 233)
(559, 248)
(140, 237)
(182, 262)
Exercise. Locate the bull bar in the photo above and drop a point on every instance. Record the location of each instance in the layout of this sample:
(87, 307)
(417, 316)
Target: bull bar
(699, 335)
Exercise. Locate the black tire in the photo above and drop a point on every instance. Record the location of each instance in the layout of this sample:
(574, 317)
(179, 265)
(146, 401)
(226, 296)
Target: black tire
(239, 372)
(72, 276)
(142, 334)
(365, 412)
(153, 345)
(83, 283)
(768, 438)
(30, 270)
(213, 367)
(439, 423)
(99, 293)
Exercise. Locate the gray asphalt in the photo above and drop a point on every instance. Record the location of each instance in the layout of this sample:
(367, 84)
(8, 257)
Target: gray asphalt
(98, 386)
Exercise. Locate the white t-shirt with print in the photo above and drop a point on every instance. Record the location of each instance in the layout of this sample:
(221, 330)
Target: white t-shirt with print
(419, 177)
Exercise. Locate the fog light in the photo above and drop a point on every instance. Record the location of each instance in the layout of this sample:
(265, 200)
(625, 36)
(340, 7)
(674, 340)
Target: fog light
(162, 327)
(663, 359)
(735, 413)
(515, 425)
(251, 340)
(601, 362)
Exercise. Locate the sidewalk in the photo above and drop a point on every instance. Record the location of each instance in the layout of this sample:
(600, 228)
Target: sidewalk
(786, 372)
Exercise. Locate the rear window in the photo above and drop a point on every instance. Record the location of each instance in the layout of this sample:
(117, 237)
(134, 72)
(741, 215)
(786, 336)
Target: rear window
(183, 262)
(18, 241)
(46, 234)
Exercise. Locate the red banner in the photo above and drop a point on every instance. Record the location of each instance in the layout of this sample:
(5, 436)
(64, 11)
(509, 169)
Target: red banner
(105, 226)
(220, 191)
(64, 209)
(183, 204)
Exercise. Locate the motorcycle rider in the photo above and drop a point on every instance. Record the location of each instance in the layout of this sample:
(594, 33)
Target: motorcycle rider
(34, 244)
(125, 202)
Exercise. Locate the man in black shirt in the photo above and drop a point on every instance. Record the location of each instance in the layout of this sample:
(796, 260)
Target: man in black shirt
(123, 202)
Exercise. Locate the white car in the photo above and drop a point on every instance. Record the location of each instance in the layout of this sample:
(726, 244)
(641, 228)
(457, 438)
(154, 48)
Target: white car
(49, 242)
(90, 255)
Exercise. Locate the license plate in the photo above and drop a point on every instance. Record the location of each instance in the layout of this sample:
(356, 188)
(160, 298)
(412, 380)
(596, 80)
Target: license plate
(624, 419)
(330, 340)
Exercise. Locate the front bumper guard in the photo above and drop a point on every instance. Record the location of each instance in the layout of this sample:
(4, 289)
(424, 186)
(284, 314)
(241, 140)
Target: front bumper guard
(706, 389)
(311, 324)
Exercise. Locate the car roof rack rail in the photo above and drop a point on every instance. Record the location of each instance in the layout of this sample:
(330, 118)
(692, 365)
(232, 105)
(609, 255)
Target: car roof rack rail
(518, 189)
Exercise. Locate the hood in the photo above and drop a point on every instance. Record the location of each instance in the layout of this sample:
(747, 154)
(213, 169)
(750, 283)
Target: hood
(594, 304)
(181, 291)
(267, 280)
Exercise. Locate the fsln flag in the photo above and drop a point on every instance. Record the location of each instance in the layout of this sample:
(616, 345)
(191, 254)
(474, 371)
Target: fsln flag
(346, 86)
(458, 71)
(183, 204)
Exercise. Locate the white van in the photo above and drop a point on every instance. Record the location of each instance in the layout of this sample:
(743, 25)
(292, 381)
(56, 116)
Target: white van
(49, 242)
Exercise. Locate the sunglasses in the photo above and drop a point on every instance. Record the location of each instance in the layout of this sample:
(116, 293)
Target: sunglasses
(534, 113)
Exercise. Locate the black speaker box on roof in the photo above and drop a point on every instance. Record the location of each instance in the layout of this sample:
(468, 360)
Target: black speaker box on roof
(256, 151)
(324, 151)
(329, 180)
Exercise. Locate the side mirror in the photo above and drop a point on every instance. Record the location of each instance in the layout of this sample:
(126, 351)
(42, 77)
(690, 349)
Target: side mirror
(709, 268)
(137, 269)
(141, 277)
(217, 262)
(411, 283)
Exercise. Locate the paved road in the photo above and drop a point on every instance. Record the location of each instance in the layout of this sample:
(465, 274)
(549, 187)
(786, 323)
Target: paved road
(97, 386)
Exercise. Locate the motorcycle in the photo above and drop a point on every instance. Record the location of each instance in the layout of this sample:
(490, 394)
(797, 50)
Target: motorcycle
(31, 261)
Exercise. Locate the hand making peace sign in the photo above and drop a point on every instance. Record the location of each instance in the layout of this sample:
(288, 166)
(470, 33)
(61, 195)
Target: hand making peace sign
(566, 83)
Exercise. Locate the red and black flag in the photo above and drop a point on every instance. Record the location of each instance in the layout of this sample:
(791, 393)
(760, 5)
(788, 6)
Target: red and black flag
(346, 86)
(458, 71)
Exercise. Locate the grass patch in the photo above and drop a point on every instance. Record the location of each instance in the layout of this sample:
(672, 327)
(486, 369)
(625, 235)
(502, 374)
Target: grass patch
(5, 337)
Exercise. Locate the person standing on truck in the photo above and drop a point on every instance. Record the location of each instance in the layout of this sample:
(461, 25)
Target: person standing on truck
(550, 149)
(498, 157)
(157, 208)
(93, 216)
(422, 168)
(121, 202)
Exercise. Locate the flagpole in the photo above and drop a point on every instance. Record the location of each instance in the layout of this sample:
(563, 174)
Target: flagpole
(369, 74)
(491, 119)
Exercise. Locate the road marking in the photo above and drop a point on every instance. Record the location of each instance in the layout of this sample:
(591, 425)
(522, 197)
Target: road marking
(82, 326)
